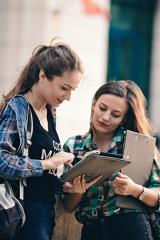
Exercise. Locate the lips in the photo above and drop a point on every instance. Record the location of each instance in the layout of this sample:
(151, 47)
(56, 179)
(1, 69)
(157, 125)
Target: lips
(60, 101)
(103, 124)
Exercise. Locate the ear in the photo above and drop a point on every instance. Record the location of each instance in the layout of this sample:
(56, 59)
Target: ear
(42, 75)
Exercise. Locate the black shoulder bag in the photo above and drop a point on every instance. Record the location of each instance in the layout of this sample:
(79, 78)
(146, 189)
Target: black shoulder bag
(153, 217)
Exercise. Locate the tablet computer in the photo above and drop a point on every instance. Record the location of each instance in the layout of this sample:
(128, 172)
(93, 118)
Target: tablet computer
(96, 164)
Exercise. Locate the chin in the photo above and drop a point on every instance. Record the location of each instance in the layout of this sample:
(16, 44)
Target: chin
(55, 105)
(103, 130)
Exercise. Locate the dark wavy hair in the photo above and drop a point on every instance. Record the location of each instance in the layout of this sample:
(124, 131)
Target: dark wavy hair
(54, 60)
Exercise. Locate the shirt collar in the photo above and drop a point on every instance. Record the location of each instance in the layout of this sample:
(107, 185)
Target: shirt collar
(118, 138)
(89, 145)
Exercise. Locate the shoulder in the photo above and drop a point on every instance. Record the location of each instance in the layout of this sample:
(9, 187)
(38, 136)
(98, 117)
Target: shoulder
(15, 112)
(17, 102)
(75, 142)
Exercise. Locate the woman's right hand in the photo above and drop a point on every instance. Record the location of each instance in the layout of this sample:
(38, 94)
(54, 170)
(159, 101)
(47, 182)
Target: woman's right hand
(77, 189)
(58, 159)
(79, 185)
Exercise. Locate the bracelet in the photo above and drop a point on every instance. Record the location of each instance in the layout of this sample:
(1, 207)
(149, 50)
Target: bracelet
(140, 192)
(143, 194)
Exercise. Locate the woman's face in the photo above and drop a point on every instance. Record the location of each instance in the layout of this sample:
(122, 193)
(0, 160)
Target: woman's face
(108, 113)
(60, 88)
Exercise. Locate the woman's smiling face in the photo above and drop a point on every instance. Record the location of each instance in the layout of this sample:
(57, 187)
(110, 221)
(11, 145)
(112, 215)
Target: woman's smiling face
(60, 88)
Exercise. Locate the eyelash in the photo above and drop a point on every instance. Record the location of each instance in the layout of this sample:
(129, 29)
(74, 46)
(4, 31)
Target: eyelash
(104, 109)
(116, 116)
(64, 89)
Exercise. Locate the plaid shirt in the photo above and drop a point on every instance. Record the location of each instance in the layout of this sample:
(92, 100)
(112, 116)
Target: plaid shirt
(100, 201)
(13, 130)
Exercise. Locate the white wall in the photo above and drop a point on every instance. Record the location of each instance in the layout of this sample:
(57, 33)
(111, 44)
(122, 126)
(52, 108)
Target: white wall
(88, 36)
(21, 24)
(26, 23)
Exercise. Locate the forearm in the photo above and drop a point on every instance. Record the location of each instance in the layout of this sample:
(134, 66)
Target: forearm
(15, 167)
(149, 196)
(123, 185)
(71, 201)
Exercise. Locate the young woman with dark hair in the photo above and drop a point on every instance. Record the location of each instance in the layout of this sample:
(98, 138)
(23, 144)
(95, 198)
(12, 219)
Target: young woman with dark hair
(47, 80)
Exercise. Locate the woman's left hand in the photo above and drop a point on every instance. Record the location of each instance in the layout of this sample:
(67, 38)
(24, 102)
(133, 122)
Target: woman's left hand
(124, 185)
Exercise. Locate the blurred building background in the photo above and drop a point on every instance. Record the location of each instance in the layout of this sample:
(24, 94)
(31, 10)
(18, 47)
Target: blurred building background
(25, 24)
(116, 39)
(134, 48)
(132, 36)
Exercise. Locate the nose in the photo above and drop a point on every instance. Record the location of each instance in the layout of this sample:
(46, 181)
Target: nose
(68, 96)
(106, 116)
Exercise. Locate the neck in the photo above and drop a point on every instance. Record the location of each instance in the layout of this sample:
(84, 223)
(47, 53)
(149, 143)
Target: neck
(103, 141)
(35, 99)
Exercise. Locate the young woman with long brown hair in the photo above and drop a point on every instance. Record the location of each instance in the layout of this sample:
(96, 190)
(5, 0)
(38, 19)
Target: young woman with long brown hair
(117, 106)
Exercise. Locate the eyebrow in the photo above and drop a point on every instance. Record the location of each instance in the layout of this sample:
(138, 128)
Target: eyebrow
(67, 85)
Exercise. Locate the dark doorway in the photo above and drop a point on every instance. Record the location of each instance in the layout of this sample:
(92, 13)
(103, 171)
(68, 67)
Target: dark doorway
(130, 40)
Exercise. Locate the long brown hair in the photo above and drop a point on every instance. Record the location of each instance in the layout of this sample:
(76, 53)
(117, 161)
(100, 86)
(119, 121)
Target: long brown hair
(137, 117)
(54, 60)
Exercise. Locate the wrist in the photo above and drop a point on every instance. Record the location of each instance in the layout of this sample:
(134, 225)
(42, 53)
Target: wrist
(46, 165)
(143, 194)
(138, 191)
